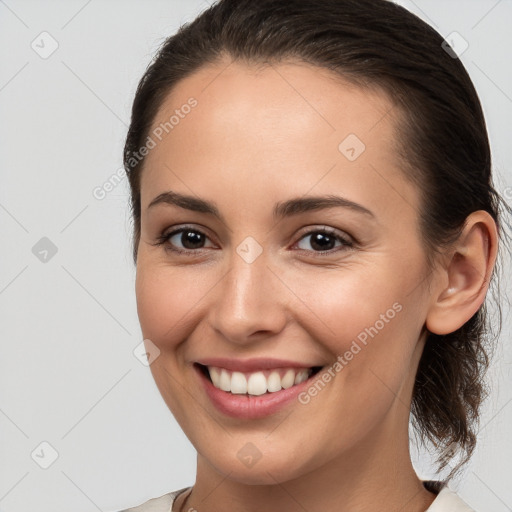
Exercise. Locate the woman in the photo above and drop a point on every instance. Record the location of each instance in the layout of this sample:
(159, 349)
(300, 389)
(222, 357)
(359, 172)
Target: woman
(315, 232)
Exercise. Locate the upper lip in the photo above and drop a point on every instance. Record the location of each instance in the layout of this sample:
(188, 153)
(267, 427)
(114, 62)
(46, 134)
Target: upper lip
(254, 364)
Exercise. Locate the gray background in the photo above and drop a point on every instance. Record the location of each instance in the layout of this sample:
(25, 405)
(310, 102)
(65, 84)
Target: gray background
(68, 329)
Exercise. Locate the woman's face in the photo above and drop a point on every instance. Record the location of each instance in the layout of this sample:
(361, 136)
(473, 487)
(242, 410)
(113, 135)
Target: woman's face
(262, 278)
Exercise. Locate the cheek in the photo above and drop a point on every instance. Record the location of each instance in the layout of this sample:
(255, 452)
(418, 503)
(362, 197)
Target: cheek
(347, 303)
(166, 299)
(370, 323)
(371, 329)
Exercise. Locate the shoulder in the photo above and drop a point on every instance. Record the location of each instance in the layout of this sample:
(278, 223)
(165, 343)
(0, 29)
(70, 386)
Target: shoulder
(448, 501)
(161, 504)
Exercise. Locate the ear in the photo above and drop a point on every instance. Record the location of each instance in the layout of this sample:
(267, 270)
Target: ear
(463, 282)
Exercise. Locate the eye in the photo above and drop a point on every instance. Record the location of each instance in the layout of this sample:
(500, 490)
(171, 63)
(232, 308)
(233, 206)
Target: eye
(321, 241)
(191, 239)
(324, 240)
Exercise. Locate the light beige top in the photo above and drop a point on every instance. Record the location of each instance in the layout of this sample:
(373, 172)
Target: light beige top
(446, 501)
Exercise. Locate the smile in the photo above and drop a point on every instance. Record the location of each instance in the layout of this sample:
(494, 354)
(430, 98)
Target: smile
(259, 382)
(253, 395)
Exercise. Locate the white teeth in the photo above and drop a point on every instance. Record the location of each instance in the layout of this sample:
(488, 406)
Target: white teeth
(288, 380)
(215, 375)
(224, 381)
(302, 376)
(238, 383)
(274, 382)
(256, 383)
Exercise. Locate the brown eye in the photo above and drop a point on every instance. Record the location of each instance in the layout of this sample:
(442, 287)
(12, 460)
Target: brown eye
(190, 239)
(185, 240)
(322, 240)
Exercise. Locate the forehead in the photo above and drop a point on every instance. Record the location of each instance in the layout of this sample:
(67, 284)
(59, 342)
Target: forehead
(288, 124)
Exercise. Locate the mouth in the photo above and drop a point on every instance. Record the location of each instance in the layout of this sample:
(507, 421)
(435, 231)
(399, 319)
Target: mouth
(257, 383)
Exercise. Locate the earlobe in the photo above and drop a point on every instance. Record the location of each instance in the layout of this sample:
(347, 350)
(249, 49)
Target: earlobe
(465, 279)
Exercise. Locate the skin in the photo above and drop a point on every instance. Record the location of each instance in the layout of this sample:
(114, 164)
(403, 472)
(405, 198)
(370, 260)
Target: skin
(258, 136)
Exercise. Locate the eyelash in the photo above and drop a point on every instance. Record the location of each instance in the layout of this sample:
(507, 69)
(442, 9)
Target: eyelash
(345, 242)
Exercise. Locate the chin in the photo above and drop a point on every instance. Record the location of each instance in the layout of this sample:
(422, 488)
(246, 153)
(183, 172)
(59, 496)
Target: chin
(267, 470)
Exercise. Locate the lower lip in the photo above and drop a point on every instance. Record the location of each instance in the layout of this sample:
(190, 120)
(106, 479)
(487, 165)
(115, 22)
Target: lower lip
(251, 406)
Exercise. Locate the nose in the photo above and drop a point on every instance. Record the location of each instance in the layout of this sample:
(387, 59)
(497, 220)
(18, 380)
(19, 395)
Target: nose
(250, 301)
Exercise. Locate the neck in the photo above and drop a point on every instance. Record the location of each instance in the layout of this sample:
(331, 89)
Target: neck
(376, 475)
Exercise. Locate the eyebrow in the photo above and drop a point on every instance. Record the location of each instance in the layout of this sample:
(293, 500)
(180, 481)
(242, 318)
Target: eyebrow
(294, 206)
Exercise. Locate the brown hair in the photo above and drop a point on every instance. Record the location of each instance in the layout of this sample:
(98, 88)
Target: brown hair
(441, 140)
